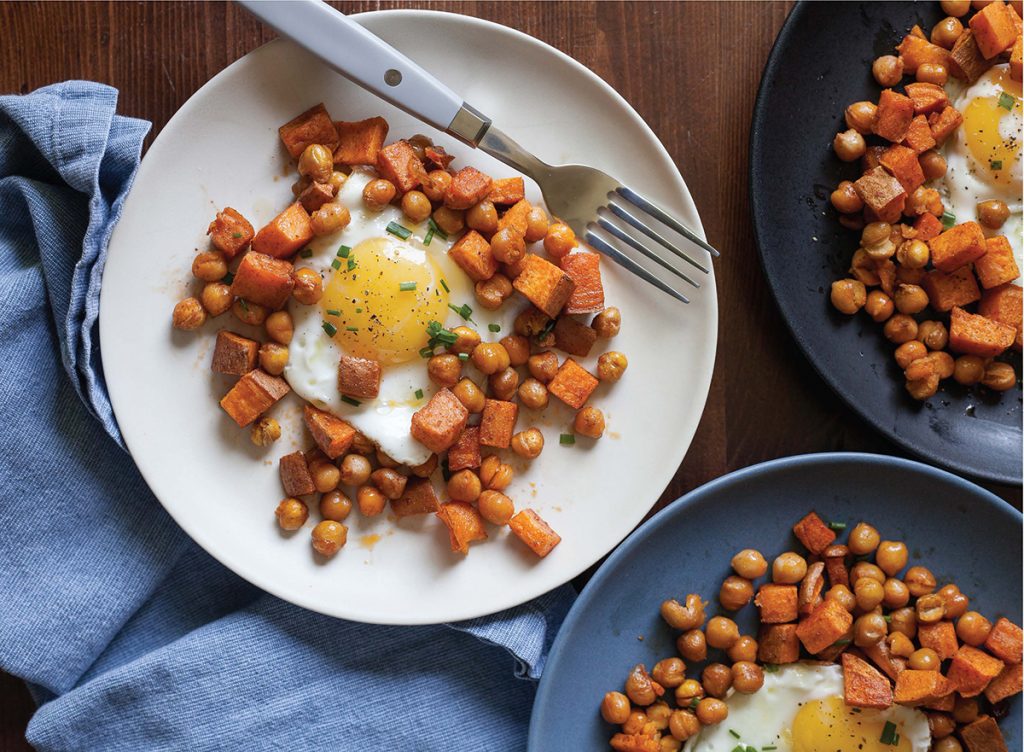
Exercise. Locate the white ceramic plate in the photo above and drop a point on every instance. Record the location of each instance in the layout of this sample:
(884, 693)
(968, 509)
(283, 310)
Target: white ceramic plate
(222, 149)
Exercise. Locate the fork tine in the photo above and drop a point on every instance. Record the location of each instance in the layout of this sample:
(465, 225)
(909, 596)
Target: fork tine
(622, 214)
(633, 242)
(641, 203)
(596, 241)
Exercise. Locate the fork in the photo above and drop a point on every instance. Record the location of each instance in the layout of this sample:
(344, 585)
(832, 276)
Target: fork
(597, 207)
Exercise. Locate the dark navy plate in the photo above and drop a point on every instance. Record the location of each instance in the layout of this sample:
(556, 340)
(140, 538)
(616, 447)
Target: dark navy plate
(821, 63)
(961, 532)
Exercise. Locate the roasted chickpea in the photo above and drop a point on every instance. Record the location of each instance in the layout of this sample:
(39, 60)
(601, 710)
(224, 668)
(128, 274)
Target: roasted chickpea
(518, 349)
(965, 710)
(973, 629)
(451, 221)
(933, 164)
(891, 557)
(445, 370)
(559, 240)
(866, 570)
(999, 376)
(908, 352)
(956, 8)
(860, 116)
(466, 342)
(188, 315)
(992, 214)
(930, 608)
(508, 246)
(689, 691)
(848, 295)
(920, 581)
(533, 394)
(879, 306)
(611, 366)
(722, 632)
(495, 474)
(968, 369)
(249, 313)
(543, 366)
(845, 199)
(273, 358)
(379, 193)
(607, 323)
(924, 659)
(678, 616)
(316, 163)
(947, 744)
(330, 217)
(744, 649)
(896, 593)
(747, 677)
(308, 286)
(864, 268)
(669, 673)
(932, 73)
(326, 476)
(913, 253)
(335, 505)
(589, 422)
(482, 217)
(328, 537)
(735, 593)
(788, 568)
(416, 206)
(887, 70)
(658, 714)
(933, 335)
(900, 328)
(940, 725)
(436, 184)
(279, 327)
(265, 431)
(683, 724)
(869, 629)
(904, 620)
(899, 644)
(843, 596)
(956, 602)
(639, 687)
(389, 482)
(922, 389)
(750, 564)
(209, 266)
(216, 298)
(528, 443)
(503, 384)
(944, 34)
(925, 201)
(536, 224)
(635, 723)
(464, 486)
(869, 593)
(490, 357)
(291, 514)
(615, 708)
(711, 711)
(371, 502)
(336, 180)
(910, 299)
(716, 679)
(495, 507)
(849, 145)
(355, 470)
(531, 322)
(692, 645)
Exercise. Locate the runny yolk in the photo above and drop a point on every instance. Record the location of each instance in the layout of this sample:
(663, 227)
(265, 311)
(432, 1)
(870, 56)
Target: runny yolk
(829, 724)
(382, 305)
(993, 132)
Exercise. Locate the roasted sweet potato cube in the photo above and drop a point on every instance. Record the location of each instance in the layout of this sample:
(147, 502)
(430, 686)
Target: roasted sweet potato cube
(881, 192)
(777, 604)
(439, 423)
(295, 475)
(418, 498)
(1007, 684)
(880, 655)
(983, 735)
(940, 637)
(359, 142)
(946, 291)
(634, 743)
(573, 384)
(285, 234)
(1003, 304)
(1016, 60)
(902, 162)
(971, 334)
(398, 163)
(1005, 641)
(507, 191)
(971, 670)
(544, 285)
(778, 643)
(230, 232)
(944, 704)
(528, 526)
(234, 355)
(314, 126)
(469, 186)
(814, 534)
(958, 246)
(473, 254)
(811, 587)
(927, 227)
(333, 435)
(585, 270)
(438, 156)
(919, 135)
(826, 624)
(997, 266)
(252, 395)
(927, 98)
(870, 159)
(894, 115)
(863, 685)
(315, 195)
(465, 452)
(944, 123)
(994, 29)
(359, 377)
(498, 423)
(915, 51)
(515, 217)
(464, 524)
(264, 280)
(915, 687)
(574, 337)
(966, 60)
(838, 573)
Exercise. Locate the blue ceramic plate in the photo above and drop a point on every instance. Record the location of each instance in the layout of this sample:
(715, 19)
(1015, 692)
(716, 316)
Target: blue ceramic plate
(961, 532)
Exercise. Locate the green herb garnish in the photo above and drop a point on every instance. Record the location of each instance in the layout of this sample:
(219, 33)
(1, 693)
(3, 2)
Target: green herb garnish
(335, 264)
(228, 278)
(406, 286)
(238, 234)
(419, 394)
(427, 352)
(343, 251)
(398, 231)
(330, 328)
(439, 335)
(428, 237)
(333, 312)
(463, 357)
(996, 164)
(352, 264)
(351, 328)
(948, 220)
(1005, 101)
(494, 327)
(770, 668)
(306, 252)
(734, 733)
(464, 310)
(359, 310)
(837, 526)
(349, 401)
(244, 303)
(889, 735)
(437, 230)
(445, 285)
(566, 439)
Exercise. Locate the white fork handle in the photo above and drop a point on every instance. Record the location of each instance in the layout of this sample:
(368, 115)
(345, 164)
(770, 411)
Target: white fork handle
(370, 62)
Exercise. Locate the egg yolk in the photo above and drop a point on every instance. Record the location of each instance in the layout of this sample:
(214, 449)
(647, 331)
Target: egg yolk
(830, 724)
(993, 132)
(381, 298)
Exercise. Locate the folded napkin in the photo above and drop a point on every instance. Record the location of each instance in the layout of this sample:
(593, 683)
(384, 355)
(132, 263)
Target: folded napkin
(130, 636)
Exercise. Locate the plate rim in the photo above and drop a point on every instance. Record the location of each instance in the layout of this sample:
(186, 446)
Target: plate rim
(697, 496)
(950, 461)
(701, 385)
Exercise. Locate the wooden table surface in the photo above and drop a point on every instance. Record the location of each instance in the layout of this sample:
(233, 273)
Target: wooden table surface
(690, 69)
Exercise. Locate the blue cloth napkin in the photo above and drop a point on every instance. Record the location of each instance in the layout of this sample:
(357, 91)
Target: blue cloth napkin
(131, 637)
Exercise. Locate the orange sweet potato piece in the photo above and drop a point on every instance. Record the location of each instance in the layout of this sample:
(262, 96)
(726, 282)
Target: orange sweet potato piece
(994, 29)
(835, 565)
(252, 395)
(940, 637)
(927, 226)
(469, 186)
(360, 141)
(264, 280)
(230, 232)
(573, 337)
(507, 191)
(927, 98)
(528, 526)
(418, 498)
(465, 452)
(966, 60)
(826, 624)
(333, 435)
(315, 195)
(813, 533)
(634, 743)
(573, 384)
(498, 423)
(440, 422)
(863, 685)
(971, 670)
(919, 135)
(473, 254)
(809, 593)
(359, 377)
(295, 476)
(314, 126)
(1007, 684)
(285, 234)
(894, 115)
(777, 604)
(234, 355)
(778, 643)
(944, 123)
(971, 334)
(945, 291)
(915, 687)
(585, 270)
(515, 217)
(1016, 67)
(438, 156)
(880, 655)
(881, 192)
(1003, 304)
(997, 266)
(957, 246)
(544, 284)
(902, 162)
(983, 735)
(915, 51)
(398, 163)
(945, 704)
(464, 524)
(1005, 641)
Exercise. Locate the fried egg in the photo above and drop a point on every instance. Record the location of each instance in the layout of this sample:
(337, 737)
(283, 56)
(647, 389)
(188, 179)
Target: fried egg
(983, 156)
(800, 708)
(381, 292)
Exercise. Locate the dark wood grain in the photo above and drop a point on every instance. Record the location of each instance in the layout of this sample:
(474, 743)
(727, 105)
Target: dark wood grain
(690, 69)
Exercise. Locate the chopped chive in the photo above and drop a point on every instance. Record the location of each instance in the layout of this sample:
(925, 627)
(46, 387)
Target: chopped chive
(351, 328)
(437, 230)
(352, 264)
(306, 252)
(359, 310)
(398, 231)
(228, 278)
(428, 237)
(889, 735)
(1006, 101)
(330, 328)
(445, 285)
(694, 702)
(948, 219)
(464, 310)
(840, 643)
(735, 733)
(406, 286)
(566, 439)
(996, 164)
(494, 327)
(888, 618)
(739, 748)
(769, 747)
(770, 668)
(463, 357)
(238, 234)
(837, 526)
(335, 264)
(244, 303)
(349, 401)
(427, 352)
(333, 312)
(343, 251)
(419, 394)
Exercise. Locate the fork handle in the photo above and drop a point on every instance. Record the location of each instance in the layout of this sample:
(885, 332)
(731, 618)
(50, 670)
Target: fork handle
(370, 62)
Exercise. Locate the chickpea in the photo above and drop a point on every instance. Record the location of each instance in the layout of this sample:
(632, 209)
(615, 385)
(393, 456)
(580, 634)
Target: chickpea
(335, 506)
(932, 73)
(326, 476)
(210, 266)
(508, 246)
(466, 342)
(248, 313)
(933, 335)
(992, 214)
(355, 470)
(490, 357)
(371, 502)
(607, 323)
(711, 711)
(717, 679)
(389, 482)
(188, 315)
(635, 723)
(436, 185)
(589, 422)
(925, 201)
(531, 322)
(972, 628)
(896, 593)
(956, 8)
(944, 34)
(924, 659)
(482, 217)
(559, 240)
(543, 366)
(933, 164)
(900, 328)
(692, 645)
(308, 286)
(908, 352)
(503, 384)
(528, 443)
(965, 710)
(848, 295)
(876, 233)
(864, 268)
(279, 327)
(669, 673)
(843, 596)
(940, 725)
(744, 649)
(849, 145)
(750, 564)
(866, 570)
(956, 602)
(869, 593)
(913, 253)
(887, 70)
(639, 687)
(904, 620)
(464, 486)
(860, 116)
(683, 724)
(445, 370)
(495, 474)
(316, 163)
(947, 744)
(845, 199)
(941, 364)
(265, 431)
(491, 293)
(328, 537)
(379, 193)
(536, 225)
(735, 593)
(611, 366)
(920, 581)
(336, 180)
(922, 389)
(291, 514)
(426, 469)
(495, 507)
(273, 358)
(788, 568)
(678, 616)
(330, 217)
(869, 629)
(879, 306)
(968, 369)
(930, 608)
(910, 299)
(689, 691)
(899, 644)
(216, 298)
(615, 708)
(722, 632)
(451, 221)
(747, 677)
(999, 376)
(891, 556)
(909, 276)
